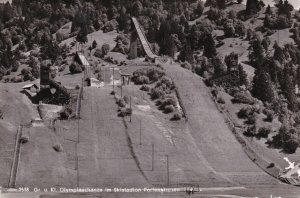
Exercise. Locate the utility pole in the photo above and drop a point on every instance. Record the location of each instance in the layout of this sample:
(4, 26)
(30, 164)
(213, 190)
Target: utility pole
(130, 108)
(78, 131)
(168, 174)
(77, 171)
(140, 132)
(121, 90)
(152, 156)
(113, 77)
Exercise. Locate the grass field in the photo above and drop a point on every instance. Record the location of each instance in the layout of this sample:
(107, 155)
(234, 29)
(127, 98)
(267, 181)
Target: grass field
(17, 110)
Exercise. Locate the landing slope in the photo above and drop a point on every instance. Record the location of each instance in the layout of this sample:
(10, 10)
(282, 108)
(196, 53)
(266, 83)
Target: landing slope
(212, 135)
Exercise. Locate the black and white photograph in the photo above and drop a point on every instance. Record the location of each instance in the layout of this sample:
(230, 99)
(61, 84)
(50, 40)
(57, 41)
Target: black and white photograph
(150, 98)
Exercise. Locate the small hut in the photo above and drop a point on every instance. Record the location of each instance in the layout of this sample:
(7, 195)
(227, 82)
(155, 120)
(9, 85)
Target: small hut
(125, 78)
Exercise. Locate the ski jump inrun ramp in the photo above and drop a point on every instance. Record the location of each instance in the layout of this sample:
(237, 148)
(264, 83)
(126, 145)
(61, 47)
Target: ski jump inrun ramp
(144, 41)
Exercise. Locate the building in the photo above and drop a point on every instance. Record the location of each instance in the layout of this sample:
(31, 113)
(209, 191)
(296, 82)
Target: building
(31, 87)
(125, 78)
(30, 90)
(81, 60)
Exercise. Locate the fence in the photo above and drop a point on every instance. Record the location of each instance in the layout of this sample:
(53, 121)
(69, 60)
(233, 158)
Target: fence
(15, 163)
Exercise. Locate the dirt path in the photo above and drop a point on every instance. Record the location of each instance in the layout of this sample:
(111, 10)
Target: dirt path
(211, 134)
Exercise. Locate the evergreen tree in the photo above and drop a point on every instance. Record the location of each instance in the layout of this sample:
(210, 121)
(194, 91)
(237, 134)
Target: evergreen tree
(231, 60)
(186, 53)
(168, 47)
(243, 76)
(82, 35)
(123, 20)
(268, 9)
(262, 86)
(278, 53)
(288, 8)
(253, 6)
(288, 89)
(164, 31)
(266, 43)
(7, 12)
(257, 52)
(209, 46)
(218, 65)
(268, 21)
(199, 9)
(279, 5)
(284, 8)
(221, 4)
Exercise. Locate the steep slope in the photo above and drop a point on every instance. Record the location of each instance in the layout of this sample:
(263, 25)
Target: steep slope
(212, 135)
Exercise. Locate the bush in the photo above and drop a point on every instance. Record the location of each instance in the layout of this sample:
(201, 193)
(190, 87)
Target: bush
(243, 97)
(251, 119)
(141, 80)
(263, 132)
(66, 113)
(208, 83)
(105, 49)
(58, 147)
(6, 80)
(176, 117)
(170, 100)
(15, 66)
(27, 75)
(125, 112)
(145, 88)
(246, 112)
(221, 100)
(167, 81)
(169, 109)
(270, 115)
(290, 146)
(251, 131)
(98, 53)
(62, 68)
(121, 102)
(283, 22)
(24, 138)
(214, 92)
(271, 165)
(16, 79)
(110, 26)
(75, 68)
(126, 99)
(113, 93)
(154, 74)
(156, 93)
(94, 44)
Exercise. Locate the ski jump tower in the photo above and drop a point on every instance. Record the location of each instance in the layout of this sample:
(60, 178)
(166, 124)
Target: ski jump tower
(138, 34)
